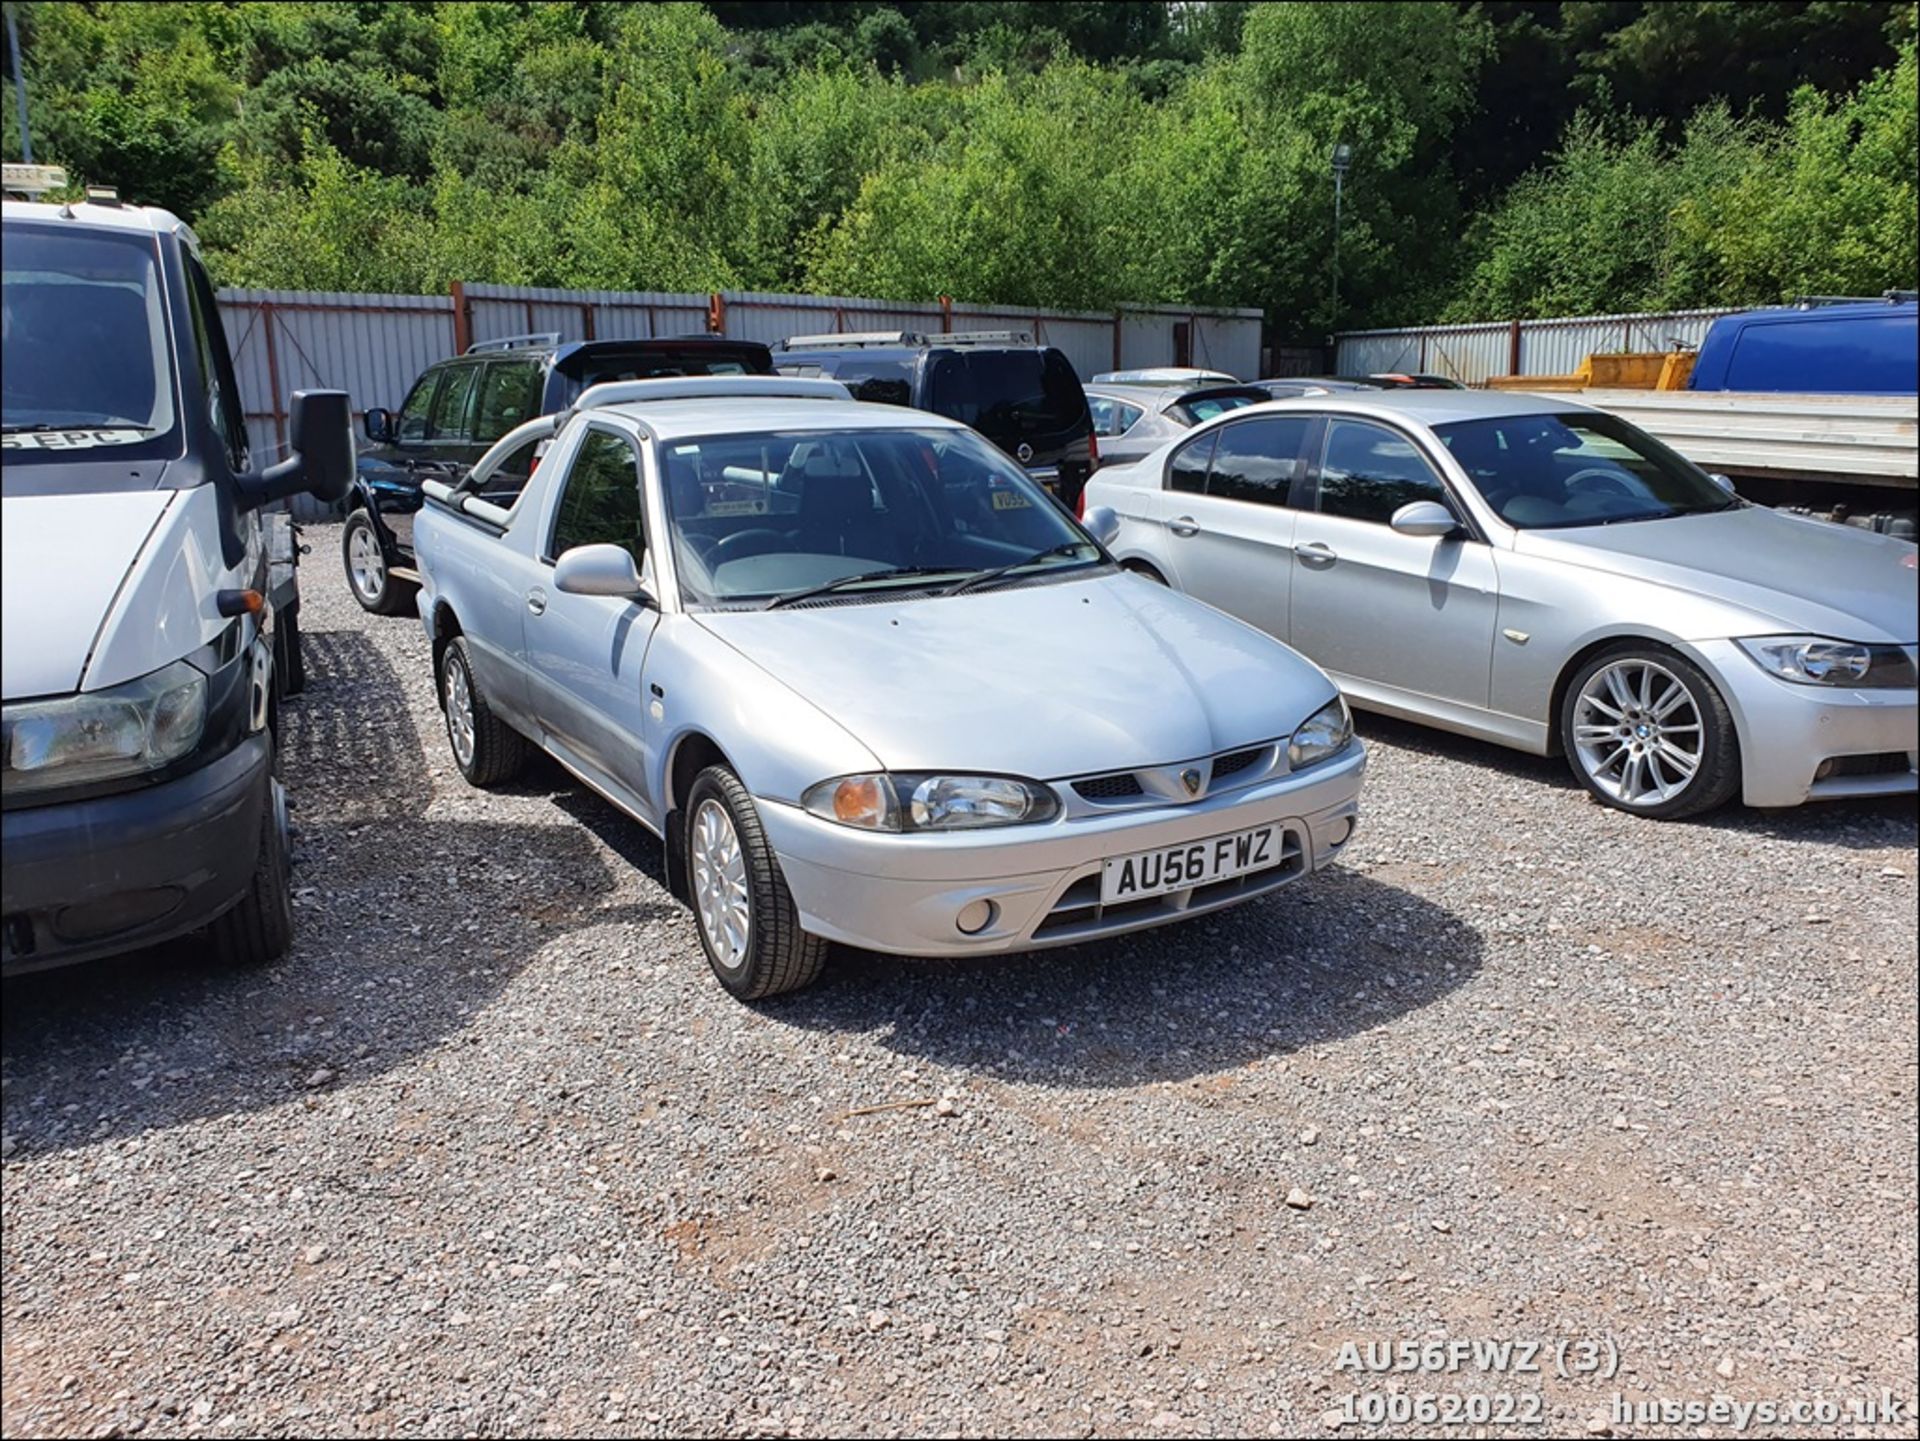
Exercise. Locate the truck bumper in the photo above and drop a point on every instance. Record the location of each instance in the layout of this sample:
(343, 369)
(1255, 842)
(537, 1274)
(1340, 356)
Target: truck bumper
(96, 877)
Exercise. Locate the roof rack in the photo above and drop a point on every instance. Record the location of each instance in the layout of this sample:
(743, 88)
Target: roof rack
(852, 340)
(981, 337)
(515, 342)
(710, 387)
(1890, 297)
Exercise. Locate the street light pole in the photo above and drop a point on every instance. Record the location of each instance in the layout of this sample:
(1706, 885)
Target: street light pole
(1342, 159)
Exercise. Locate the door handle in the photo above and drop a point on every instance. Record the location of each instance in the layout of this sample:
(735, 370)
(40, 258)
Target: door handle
(1185, 525)
(537, 600)
(1316, 552)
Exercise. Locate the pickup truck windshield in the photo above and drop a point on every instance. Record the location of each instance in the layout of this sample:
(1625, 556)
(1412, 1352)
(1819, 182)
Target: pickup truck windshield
(754, 518)
(1551, 472)
(87, 364)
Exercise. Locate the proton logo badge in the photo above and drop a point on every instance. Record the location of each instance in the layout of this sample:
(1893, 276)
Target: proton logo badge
(1190, 778)
(1024, 453)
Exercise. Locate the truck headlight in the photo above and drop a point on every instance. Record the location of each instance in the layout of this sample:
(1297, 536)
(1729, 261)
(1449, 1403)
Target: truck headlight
(124, 731)
(1326, 732)
(1817, 660)
(923, 802)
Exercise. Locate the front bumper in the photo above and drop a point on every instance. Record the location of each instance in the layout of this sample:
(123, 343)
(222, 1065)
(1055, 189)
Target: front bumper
(1803, 743)
(903, 893)
(92, 878)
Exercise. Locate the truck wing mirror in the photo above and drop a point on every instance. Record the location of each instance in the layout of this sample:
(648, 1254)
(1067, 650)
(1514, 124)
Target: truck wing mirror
(320, 458)
(378, 423)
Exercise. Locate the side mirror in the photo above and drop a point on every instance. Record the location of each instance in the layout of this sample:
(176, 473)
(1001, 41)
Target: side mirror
(378, 423)
(1102, 523)
(1425, 518)
(598, 570)
(1723, 483)
(320, 458)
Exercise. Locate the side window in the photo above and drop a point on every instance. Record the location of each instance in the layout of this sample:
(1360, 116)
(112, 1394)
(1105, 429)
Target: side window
(502, 485)
(509, 390)
(1188, 469)
(601, 502)
(1370, 472)
(223, 391)
(452, 415)
(1128, 417)
(413, 415)
(1104, 411)
(1256, 459)
(890, 382)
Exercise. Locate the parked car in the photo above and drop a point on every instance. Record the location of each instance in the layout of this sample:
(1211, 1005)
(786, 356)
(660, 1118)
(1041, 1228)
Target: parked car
(141, 612)
(1132, 420)
(1547, 576)
(1023, 397)
(461, 406)
(868, 682)
(1164, 375)
(1847, 347)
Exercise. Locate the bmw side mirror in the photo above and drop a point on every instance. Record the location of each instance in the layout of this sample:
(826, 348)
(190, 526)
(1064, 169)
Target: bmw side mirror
(1723, 483)
(599, 570)
(1102, 523)
(1425, 518)
(320, 458)
(378, 423)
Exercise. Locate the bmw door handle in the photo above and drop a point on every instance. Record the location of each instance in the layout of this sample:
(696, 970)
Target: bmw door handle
(1185, 525)
(1316, 552)
(537, 601)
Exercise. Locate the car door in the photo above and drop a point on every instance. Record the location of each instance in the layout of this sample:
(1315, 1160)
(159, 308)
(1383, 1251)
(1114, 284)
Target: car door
(584, 652)
(1229, 518)
(1391, 613)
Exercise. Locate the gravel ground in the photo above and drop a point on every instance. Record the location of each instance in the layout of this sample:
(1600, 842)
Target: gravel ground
(492, 1153)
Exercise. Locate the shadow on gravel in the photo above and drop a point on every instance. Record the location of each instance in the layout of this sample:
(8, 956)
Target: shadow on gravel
(1332, 956)
(404, 929)
(1856, 824)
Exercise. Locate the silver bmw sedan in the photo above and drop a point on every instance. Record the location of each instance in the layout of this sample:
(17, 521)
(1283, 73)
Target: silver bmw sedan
(1540, 574)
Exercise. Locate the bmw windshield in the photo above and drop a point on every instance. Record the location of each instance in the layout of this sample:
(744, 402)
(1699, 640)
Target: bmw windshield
(87, 365)
(759, 520)
(1553, 472)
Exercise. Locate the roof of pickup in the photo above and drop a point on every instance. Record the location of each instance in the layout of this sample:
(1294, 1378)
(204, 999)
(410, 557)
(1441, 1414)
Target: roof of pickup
(750, 404)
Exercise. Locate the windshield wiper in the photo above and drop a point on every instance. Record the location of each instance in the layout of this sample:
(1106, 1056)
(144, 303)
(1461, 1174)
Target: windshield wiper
(986, 577)
(43, 426)
(828, 587)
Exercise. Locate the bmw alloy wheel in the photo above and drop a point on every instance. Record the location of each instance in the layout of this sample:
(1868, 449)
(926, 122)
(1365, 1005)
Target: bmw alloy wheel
(1637, 731)
(460, 728)
(720, 884)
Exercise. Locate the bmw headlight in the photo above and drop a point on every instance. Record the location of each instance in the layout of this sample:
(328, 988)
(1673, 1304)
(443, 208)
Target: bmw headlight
(124, 731)
(920, 802)
(1326, 732)
(1817, 660)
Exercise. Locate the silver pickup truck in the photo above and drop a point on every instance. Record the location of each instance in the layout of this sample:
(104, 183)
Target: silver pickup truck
(868, 681)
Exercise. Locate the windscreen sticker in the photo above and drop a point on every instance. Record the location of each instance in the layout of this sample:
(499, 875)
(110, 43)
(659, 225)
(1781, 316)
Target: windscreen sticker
(68, 439)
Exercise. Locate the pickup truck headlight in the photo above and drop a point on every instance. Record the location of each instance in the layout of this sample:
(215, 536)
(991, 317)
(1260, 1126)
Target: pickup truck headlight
(1817, 660)
(923, 802)
(129, 729)
(1326, 732)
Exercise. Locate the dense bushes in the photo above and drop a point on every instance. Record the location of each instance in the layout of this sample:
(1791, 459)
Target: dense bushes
(1067, 155)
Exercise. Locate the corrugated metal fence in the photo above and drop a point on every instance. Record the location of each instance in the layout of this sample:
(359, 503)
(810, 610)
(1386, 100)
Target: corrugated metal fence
(1474, 353)
(374, 346)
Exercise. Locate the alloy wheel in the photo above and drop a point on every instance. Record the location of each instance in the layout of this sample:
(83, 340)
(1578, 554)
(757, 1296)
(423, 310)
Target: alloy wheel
(460, 729)
(1637, 732)
(365, 565)
(720, 884)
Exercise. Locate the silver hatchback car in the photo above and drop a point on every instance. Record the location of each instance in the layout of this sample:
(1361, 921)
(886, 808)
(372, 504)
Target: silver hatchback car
(1537, 573)
(869, 681)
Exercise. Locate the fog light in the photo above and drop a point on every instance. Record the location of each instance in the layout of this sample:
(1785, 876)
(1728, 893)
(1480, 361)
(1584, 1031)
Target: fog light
(975, 917)
(1823, 770)
(1340, 831)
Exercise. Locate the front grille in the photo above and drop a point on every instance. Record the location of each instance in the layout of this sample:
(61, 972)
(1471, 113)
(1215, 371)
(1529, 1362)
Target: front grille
(1109, 788)
(1236, 761)
(1881, 763)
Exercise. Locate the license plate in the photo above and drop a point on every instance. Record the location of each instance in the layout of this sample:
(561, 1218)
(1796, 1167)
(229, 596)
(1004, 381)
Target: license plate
(1175, 868)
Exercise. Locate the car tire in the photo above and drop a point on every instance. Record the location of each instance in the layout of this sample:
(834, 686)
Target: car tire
(748, 924)
(368, 575)
(1646, 732)
(259, 929)
(487, 750)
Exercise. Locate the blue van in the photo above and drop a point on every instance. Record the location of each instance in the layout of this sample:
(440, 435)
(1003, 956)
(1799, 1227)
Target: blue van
(1841, 347)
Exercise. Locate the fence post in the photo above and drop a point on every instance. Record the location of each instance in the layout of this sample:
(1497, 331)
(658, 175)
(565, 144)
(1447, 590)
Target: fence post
(946, 313)
(716, 313)
(1513, 347)
(462, 317)
(586, 320)
(1118, 322)
(273, 377)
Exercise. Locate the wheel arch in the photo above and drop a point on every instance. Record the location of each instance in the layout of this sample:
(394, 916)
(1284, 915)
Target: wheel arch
(446, 626)
(692, 753)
